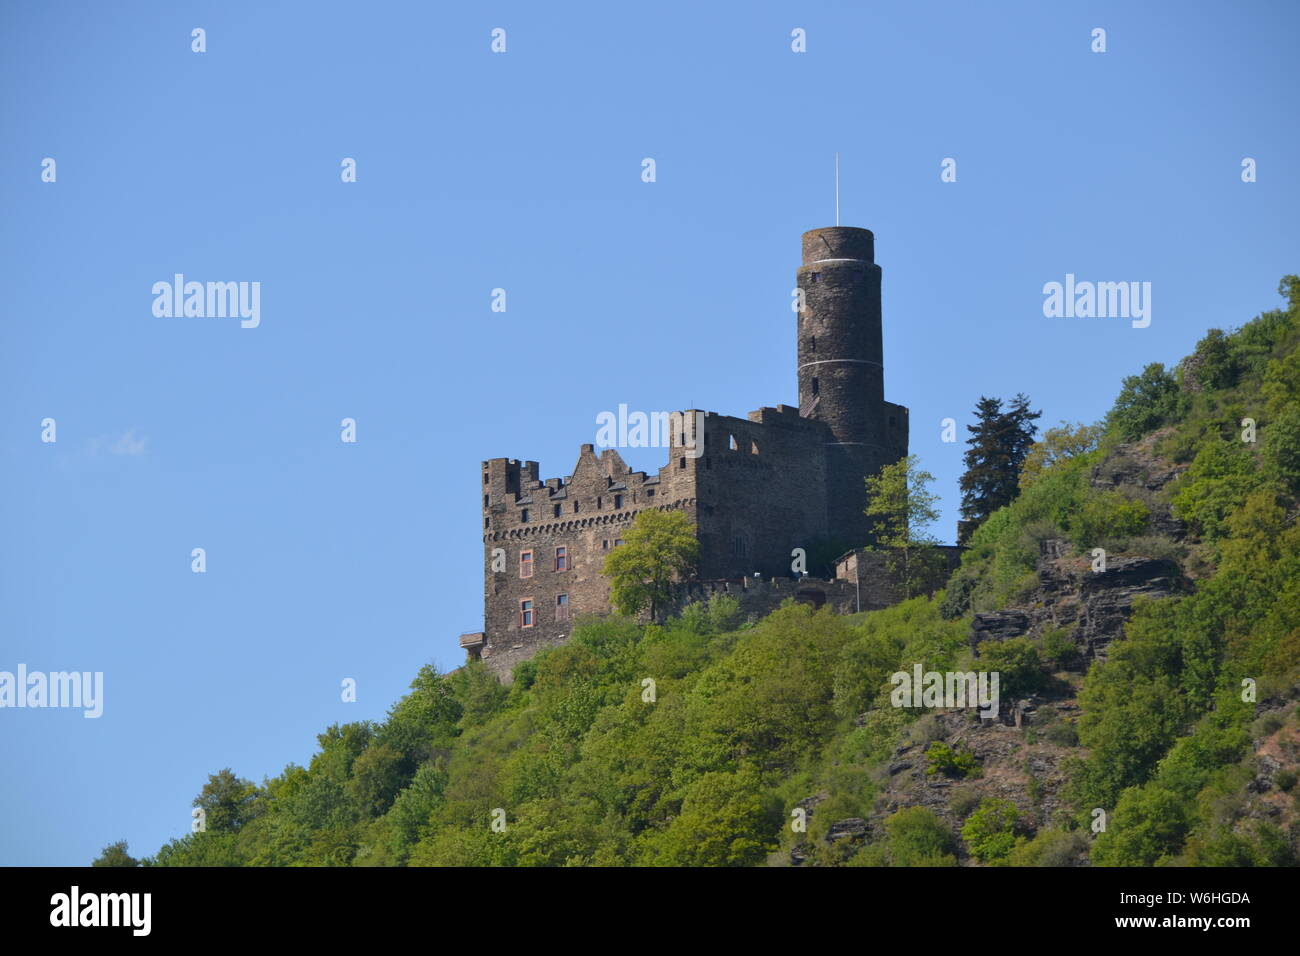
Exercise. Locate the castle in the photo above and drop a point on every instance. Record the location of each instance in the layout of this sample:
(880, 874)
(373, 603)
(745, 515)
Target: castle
(754, 488)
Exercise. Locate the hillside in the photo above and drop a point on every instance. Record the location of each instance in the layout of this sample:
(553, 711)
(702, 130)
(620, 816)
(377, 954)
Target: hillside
(1158, 694)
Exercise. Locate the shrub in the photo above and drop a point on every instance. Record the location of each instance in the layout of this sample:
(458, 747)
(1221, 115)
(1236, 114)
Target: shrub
(1018, 665)
(913, 837)
(1063, 733)
(1051, 848)
(1058, 647)
(1109, 514)
(990, 833)
(950, 762)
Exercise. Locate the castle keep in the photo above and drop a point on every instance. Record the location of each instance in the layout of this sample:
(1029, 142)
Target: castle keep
(755, 488)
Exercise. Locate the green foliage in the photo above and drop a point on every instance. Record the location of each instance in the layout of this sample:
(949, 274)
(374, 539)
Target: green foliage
(115, 854)
(1056, 446)
(1018, 665)
(227, 802)
(949, 761)
(659, 549)
(1281, 448)
(1222, 476)
(1051, 847)
(1108, 514)
(1145, 403)
(990, 832)
(999, 444)
(1146, 829)
(913, 837)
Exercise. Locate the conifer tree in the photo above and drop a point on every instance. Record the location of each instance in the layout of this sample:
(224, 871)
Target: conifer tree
(1000, 440)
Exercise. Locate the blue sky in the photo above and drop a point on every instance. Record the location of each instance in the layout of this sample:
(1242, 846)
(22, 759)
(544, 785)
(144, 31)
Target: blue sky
(522, 171)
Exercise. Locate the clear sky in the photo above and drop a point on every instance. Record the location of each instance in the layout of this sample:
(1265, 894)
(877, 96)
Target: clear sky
(328, 560)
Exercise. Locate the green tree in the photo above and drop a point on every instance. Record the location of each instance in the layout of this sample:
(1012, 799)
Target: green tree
(913, 837)
(901, 507)
(722, 823)
(115, 855)
(990, 831)
(999, 443)
(1145, 402)
(1057, 445)
(659, 549)
(227, 802)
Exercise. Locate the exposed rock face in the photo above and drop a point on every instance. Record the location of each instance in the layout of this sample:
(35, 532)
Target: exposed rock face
(853, 828)
(998, 626)
(1070, 593)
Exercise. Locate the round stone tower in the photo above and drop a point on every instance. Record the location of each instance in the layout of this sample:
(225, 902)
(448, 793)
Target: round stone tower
(841, 369)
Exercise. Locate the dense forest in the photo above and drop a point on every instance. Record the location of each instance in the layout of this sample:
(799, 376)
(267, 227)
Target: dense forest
(1172, 739)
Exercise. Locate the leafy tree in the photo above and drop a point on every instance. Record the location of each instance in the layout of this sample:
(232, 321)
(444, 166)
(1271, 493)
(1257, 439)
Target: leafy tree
(378, 775)
(901, 507)
(722, 823)
(227, 801)
(1017, 663)
(913, 837)
(1145, 402)
(1057, 445)
(115, 855)
(990, 831)
(999, 443)
(659, 549)
(1146, 828)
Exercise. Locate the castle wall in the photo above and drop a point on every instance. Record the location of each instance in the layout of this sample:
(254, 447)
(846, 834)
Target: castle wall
(762, 498)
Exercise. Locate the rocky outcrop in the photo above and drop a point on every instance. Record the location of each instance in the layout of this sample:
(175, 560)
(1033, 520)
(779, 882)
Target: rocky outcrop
(1094, 604)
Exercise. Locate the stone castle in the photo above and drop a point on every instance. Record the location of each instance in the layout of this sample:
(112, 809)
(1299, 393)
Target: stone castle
(754, 488)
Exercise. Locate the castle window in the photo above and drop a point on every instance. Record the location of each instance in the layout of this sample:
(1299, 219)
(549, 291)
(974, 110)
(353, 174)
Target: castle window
(557, 511)
(618, 501)
(598, 504)
(681, 462)
(575, 507)
(561, 607)
(650, 493)
(525, 613)
(815, 277)
(486, 499)
(487, 522)
(738, 546)
(525, 564)
(812, 343)
(814, 387)
(618, 542)
(561, 558)
(604, 545)
(485, 477)
(523, 515)
(753, 448)
(731, 442)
